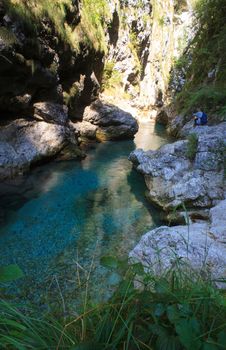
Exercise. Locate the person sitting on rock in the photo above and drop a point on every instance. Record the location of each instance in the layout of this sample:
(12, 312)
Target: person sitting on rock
(200, 118)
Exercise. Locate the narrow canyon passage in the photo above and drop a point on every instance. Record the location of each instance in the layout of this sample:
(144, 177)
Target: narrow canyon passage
(76, 211)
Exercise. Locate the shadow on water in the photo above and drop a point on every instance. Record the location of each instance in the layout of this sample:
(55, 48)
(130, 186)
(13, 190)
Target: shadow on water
(136, 182)
(67, 212)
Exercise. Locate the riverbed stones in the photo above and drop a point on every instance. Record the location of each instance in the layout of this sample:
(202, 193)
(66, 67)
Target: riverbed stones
(185, 246)
(112, 122)
(23, 143)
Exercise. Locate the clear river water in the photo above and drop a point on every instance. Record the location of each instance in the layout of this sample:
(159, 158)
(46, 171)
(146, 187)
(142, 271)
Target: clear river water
(58, 221)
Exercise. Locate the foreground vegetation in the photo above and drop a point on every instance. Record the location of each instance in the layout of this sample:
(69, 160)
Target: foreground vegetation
(177, 310)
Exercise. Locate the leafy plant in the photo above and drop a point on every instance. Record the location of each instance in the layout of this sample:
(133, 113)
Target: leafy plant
(10, 273)
(208, 97)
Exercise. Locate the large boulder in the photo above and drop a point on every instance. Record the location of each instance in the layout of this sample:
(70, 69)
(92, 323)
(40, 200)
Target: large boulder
(218, 131)
(112, 122)
(173, 179)
(51, 112)
(184, 246)
(85, 130)
(22, 143)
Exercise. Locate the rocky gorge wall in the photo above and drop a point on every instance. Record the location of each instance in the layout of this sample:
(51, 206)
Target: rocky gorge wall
(62, 63)
(148, 37)
(52, 60)
(40, 64)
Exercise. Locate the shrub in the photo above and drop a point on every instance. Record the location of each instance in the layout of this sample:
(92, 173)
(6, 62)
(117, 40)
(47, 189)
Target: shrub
(112, 78)
(192, 146)
(208, 97)
(208, 55)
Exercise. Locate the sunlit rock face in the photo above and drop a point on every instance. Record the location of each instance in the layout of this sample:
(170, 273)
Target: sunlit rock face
(129, 40)
(174, 180)
(171, 33)
(145, 40)
(108, 122)
(23, 143)
(192, 247)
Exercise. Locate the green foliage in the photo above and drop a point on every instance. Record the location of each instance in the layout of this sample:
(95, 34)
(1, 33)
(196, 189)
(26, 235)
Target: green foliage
(210, 42)
(207, 97)
(192, 146)
(112, 78)
(10, 273)
(181, 62)
(91, 30)
(30, 13)
(71, 97)
(208, 55)
(161, 21)
(177, 310)
(95, 16)
(7, 36)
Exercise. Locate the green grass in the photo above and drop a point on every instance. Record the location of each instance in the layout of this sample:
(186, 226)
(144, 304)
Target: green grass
(90, 30)
(177, 310)
(95, 17)
(207, 97)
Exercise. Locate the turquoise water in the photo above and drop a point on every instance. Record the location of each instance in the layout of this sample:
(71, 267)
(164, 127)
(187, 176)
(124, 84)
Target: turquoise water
(61, 218)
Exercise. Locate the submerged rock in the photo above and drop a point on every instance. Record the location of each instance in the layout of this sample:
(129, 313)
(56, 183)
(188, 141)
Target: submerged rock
(23, 143)
(111, 122)
(191, 246)
(173, 179)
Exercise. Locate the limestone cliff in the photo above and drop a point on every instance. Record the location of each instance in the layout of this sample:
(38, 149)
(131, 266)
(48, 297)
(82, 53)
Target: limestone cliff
(146, 38)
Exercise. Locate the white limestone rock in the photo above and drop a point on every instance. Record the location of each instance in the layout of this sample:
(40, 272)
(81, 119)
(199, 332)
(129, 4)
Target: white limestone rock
(173, 179)
(163, 247)
(23, 143)
(112, 122)
(218, 221)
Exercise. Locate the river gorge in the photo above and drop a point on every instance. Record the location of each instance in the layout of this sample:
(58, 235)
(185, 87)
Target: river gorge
(112, 174)
(64, 211)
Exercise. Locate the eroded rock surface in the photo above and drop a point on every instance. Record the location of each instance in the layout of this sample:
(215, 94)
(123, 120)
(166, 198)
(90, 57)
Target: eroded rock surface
(164, 247)
(23, 143)
(173, 179)
(111, 122)
(218, 221)
(51, 112)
